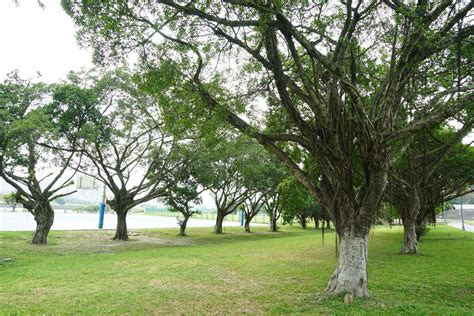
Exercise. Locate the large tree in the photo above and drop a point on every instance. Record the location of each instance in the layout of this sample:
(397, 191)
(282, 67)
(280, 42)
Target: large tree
(333, 74)
(124, 145)
(25, 163)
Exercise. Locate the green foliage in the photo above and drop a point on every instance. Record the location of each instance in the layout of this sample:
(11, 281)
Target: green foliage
(296, 201)
(10, 198)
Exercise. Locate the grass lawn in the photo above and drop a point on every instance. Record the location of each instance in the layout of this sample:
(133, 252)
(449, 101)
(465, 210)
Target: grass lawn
(260, 273)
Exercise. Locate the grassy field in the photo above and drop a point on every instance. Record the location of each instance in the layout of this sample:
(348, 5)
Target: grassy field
(259, 273)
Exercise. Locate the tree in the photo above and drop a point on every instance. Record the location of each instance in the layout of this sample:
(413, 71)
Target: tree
(27, 123)
(262, 174)
(124, 144)
(11, 200)
(295, 201)
(222, 157)
(273, 209)
(452, 178)
(251, 207)
(185, 194)
(424, 163)
(333, 75)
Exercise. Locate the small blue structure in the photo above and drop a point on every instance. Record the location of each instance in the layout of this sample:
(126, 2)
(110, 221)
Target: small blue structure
(101, 214)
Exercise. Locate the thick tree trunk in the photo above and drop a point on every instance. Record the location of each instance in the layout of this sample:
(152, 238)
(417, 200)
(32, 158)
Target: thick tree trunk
(44, 217)
(219, 222)
(121, 233)
(351, 272)
(328, 224)
(182, 226)
(409, 237)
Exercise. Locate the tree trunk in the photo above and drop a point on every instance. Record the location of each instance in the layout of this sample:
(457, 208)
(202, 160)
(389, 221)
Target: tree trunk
(219, 222)
(302, 220)
(44, 217)
(351, 272)
(328, 224)
(247, 223)
(182, 226)
(14, 207)
(409, 237)
(273, 224)
(121, 233)
(316, 222)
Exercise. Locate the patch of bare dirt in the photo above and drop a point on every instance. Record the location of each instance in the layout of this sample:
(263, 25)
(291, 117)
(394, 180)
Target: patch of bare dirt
(102, 242)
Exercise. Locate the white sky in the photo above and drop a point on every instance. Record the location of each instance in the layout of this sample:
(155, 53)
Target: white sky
(35, 39)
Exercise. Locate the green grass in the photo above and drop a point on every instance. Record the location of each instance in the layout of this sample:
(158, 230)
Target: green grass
(235, 273)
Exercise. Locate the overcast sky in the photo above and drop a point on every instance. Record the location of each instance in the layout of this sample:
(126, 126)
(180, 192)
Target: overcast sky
(39, 40)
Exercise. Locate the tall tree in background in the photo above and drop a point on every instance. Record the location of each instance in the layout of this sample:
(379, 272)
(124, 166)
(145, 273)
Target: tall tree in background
(26, 125)
(333, 74)
(222, 158)
(422, 166)
(185, 194)
(262, 174)
(295, 201)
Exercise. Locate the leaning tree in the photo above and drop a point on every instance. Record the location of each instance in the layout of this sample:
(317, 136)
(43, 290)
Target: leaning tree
(25, 163)
(333, 75)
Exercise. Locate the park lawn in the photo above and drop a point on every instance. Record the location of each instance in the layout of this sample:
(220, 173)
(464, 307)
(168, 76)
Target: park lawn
(235, 273)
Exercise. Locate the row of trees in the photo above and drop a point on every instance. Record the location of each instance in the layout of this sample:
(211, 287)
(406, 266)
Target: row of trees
(106, 127)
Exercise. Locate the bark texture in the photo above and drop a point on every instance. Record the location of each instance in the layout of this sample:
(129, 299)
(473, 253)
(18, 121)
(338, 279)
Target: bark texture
(121, 233)
(219, 222)
(410, 244)
(44, 217)
(351, 272)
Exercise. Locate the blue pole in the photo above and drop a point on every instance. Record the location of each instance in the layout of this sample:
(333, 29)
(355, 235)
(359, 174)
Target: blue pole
(101, 214)
(102, 208)
(241, 217)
